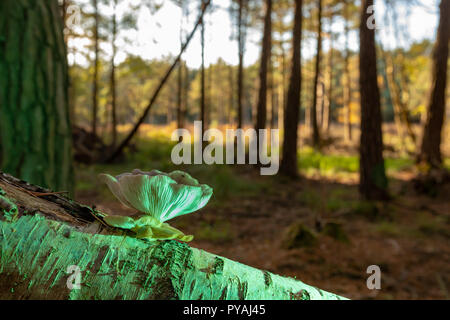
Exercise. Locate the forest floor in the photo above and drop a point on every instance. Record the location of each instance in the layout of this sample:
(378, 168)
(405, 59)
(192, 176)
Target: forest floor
(248, 217)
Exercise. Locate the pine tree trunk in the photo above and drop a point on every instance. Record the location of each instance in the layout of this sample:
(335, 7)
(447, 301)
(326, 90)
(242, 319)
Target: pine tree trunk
(241, 46)
(202, 77)
(261, 116)
(230, 108)
(289, 164)
(186, 86)
(430, 152)
(373, 181)
(180, 96)
(329, 95)
(282, 94)
(273, 96)
(180, 81)
(261, 108)
(315, 126)
(96, 66)
(347, 82)
(209, 97)
(47, 242)
(35, 130)
(113, 79)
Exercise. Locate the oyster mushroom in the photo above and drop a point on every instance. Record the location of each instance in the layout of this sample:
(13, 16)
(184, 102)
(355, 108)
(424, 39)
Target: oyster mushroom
(158, 197)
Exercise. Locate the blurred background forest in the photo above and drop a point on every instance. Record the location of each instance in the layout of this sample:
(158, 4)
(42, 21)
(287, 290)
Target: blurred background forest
(93, 86)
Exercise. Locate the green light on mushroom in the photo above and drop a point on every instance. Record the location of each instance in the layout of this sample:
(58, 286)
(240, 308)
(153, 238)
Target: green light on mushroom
(158, 197)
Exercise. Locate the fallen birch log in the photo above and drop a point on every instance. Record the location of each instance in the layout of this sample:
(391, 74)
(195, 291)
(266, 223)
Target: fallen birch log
(55, 248)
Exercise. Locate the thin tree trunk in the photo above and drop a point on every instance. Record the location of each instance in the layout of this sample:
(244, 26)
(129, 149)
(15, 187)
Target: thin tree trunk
(321, 102)
(180, 82)
(289, 166)
(373, 181)
(35, 130)
(329, 96)
(261, 110)
(185, 109)
(315, 127)
(125, 142)
(210, 111)
(282, 104)
(230, 120)
(241, 49)
(96, 66)
(347, 82)
(180, 96)
(430, 152)
(113, 79)
(273, 95)
(202, 78)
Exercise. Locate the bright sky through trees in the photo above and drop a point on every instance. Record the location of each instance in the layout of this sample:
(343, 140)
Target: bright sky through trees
(158, 35)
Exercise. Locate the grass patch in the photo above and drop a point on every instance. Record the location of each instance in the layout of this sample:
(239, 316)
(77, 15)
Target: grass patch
(313, 162)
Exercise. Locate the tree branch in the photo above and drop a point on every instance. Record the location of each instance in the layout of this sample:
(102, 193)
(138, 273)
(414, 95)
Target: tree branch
(125, 142)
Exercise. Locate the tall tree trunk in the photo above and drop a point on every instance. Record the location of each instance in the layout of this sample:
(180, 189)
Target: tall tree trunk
(202, 77)
(261, 110)
(347, 79)
(180, 91)
(230, 108)
(180, 80)
(329, 95)
(185, 109)
(430, 152)
(35, 131)
(315, 126)
(241, 50)
(320, 101)
(113, 78)
(180, 96)
(373, 181)
(209, 96)
(288, 164)
(273, 95)
(282, 94)
(96, 66)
